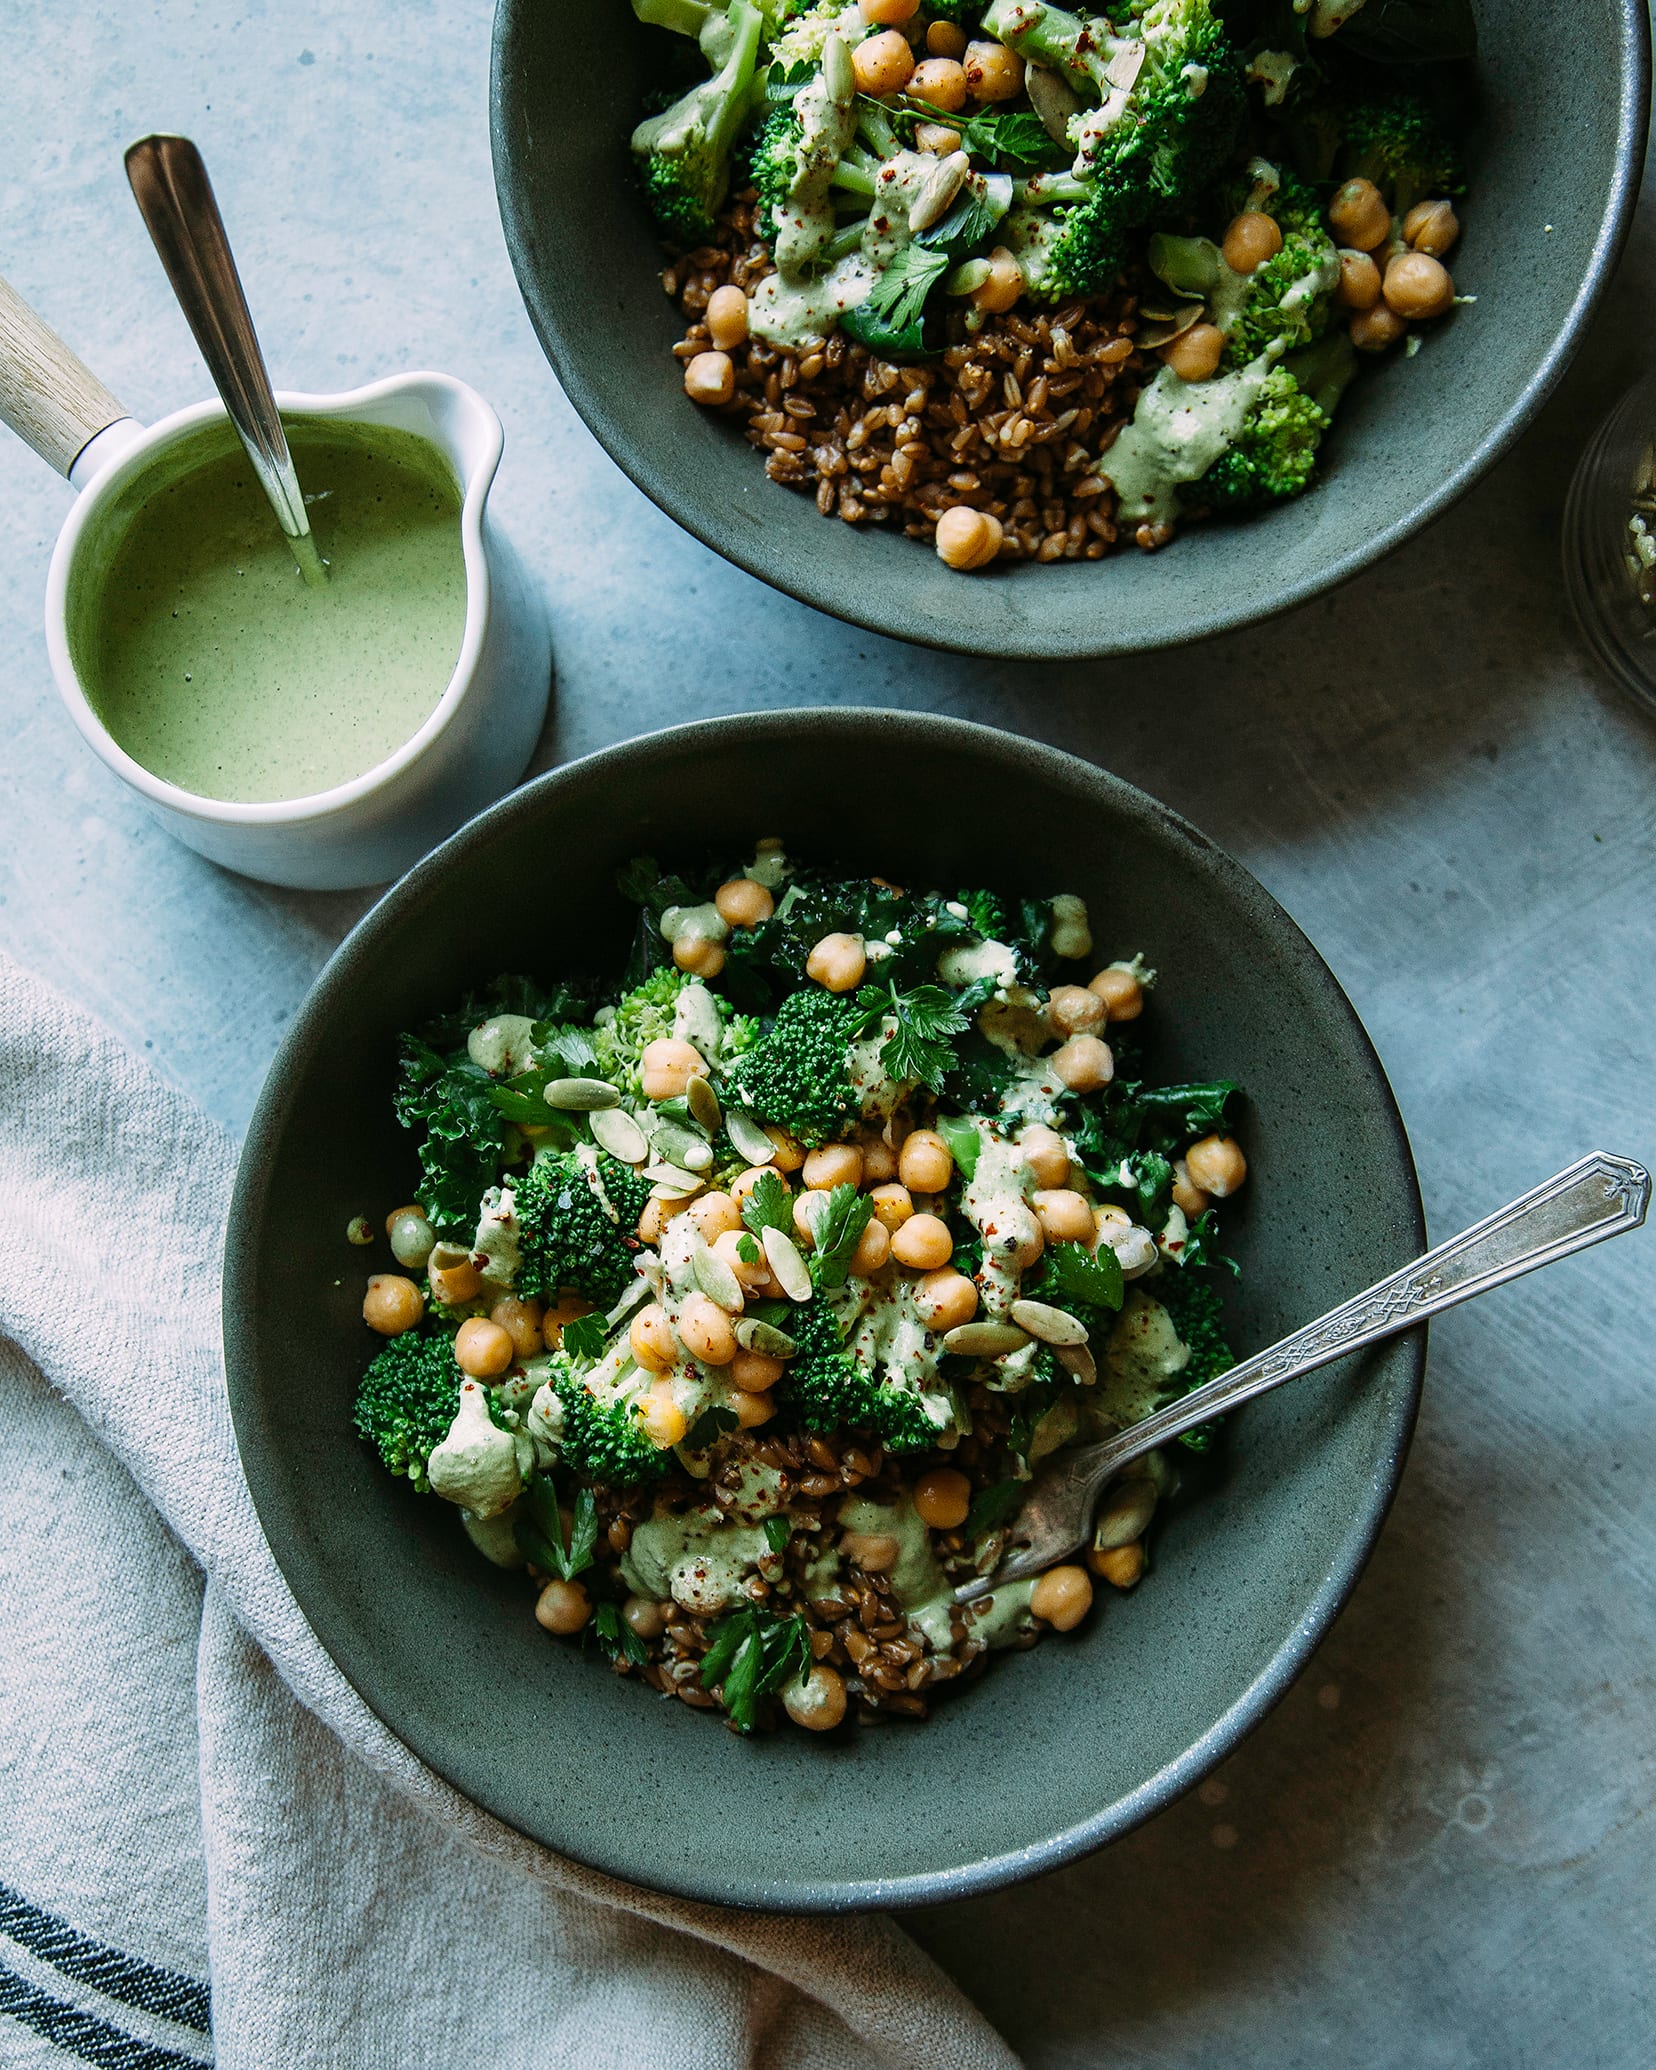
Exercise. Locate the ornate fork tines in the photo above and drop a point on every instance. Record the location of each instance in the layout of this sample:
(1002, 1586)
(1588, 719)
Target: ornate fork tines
(1599, 1196)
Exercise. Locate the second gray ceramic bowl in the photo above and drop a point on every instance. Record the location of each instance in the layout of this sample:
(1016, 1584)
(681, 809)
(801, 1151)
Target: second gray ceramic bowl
(1555, 173)
(1051, 1753)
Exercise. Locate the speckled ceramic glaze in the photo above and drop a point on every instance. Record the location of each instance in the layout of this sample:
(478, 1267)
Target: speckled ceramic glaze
(1053, 1752)
(1555, 171)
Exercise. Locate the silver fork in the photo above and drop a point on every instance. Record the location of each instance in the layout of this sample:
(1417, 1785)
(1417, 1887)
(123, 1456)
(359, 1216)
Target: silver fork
(1596, 1197)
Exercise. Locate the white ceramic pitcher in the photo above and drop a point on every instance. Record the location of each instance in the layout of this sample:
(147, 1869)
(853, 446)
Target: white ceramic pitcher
(475, 743)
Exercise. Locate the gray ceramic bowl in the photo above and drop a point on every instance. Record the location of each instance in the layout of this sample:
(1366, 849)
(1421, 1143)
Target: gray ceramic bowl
(1555, 174)
(1053, 1752)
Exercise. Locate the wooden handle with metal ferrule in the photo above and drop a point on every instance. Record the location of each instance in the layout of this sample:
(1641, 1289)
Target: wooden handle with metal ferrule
(48, 398)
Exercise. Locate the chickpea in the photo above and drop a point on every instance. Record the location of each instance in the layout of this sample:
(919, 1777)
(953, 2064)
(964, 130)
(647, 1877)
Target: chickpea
(943, 1497)
(1135, 1251)
(521, 1320)
(1076, 1009)
(650, 1334)
(1119, 1565)
(562, 1607)
(706, 1331)
(879, 1162)
(940, 81)
(667, 1067)
(726, 317)
(873, 1551)
(392, 1304)
(741, 901)
(644, 1617)
(993, 72)
(936, 138)
(483, 1349)
(946, 39)
(755, 1373)
(751, 1273)
(1358, 216)
(752, 1409)
(1064, 1215)
(1046, 1155)
(873, 1249)
(1001, 290)
(817, 1703)
(1062, 1597)
(835, 1164)
(664, 1421)
(1216, 1165)
(714, 1214)
(454, 1276)
(805, 1211)
(967, 538)
(710, 378)
(412, 1238)
(1084, 1063)
(657, 1214)
(883, 64)
(925, 1163)
(892, 1206)
(1418, 286)
(1188, 1197)
(1019, 1236)
(837, 962)
(888, 14)
(945, 1299)
(744, 1182)
(786, 1154)
(1376, 329)
(1121, 992)
(1252, 238)
(570, 1308)
(1194, 355)
(1359, 286)
(410, 1207)
(1112, 1223)
(700, 958)
(923, 1243)
(1431, 227)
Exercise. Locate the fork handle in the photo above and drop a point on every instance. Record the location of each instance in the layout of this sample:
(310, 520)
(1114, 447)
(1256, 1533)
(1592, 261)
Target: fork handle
(1599, 1196)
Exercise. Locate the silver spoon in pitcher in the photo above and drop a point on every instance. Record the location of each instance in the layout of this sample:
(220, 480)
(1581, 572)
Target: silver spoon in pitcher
(1598, 1196)
(175, 198)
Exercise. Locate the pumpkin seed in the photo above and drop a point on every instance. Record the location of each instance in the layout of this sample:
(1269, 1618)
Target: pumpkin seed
(984, 1339)
(1078, 1362)
(1125, 65)
(614, 1130)
(1051, 1325)
(1162, 330)
(1126, 1515)
(937, 192)
(672, 1181)
(582, 1095)
(967, 277)
(716, 1280)
(764, 1338)
(782, 1255)
(838, 72)
(1051, 98)
(703, 1103)
(747, 1138)
(675, 1144)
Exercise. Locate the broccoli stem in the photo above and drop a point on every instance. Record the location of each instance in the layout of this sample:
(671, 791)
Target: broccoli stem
(683, 17)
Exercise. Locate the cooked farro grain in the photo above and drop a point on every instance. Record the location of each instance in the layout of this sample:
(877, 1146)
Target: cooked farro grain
(1011, 420)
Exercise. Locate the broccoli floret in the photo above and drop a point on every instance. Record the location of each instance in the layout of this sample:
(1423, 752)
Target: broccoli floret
(797, 1074)
(684, 153)
(1167, 84)
(1394, 138)
(794, 167)
(800, 43)
(1198, 1316)
(1290, 299)
(569, 1239)
(965, 14)
(602, 1441)
(407, 1400)
(1268, 189)
(1275, 453)
(828, 1390)
(650, 1012)
(1069, 234)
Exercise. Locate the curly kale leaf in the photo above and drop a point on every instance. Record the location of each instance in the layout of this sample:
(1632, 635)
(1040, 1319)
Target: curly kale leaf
(463, 1133)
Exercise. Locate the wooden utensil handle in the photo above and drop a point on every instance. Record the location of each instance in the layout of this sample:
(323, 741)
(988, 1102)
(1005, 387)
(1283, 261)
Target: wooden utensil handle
(48, 398)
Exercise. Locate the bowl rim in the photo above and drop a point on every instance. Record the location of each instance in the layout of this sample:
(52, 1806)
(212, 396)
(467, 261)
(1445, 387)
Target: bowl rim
(752, 551)
(304, 1565)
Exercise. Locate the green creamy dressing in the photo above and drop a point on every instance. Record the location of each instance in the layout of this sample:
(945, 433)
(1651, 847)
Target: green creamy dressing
(696, 1557)
(1179, 429)
(794, 304)
(1142, 1357)
(922, 1588)
(217, 667)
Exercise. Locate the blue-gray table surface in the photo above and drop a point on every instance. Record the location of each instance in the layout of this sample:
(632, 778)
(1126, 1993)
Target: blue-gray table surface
(1434, 1853)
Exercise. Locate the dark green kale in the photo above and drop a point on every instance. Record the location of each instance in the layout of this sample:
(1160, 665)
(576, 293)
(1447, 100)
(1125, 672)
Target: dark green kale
(1199, 1317)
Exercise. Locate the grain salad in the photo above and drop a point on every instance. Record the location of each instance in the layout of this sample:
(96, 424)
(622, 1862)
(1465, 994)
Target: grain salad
(737, 1298)
(1032, 284)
